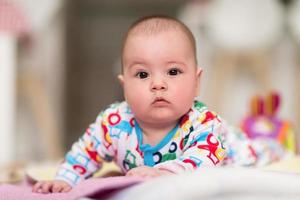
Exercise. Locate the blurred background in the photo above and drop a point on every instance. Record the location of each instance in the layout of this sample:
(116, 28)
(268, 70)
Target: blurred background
(59, 60)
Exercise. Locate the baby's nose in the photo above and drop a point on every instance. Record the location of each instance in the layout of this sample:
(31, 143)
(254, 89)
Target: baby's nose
(158, 84)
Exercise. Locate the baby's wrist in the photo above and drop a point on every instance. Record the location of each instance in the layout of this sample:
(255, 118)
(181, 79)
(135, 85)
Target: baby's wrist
(63, 179)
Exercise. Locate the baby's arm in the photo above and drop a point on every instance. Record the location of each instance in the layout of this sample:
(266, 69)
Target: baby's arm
(82, 161)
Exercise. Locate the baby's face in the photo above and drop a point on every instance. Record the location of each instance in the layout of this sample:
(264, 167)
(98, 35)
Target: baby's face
(160, 78)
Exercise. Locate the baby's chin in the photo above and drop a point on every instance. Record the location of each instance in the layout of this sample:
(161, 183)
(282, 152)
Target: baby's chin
(162, 117)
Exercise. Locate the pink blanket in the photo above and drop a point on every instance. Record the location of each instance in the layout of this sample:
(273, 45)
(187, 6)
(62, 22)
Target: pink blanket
(100, 188)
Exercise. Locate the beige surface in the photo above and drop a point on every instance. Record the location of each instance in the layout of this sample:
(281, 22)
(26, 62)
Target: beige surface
(46, 171)
(290, 165)
(13, 173)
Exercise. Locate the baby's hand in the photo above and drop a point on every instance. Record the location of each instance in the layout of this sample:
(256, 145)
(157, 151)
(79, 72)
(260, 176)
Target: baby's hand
(147, 172)
(54, 186)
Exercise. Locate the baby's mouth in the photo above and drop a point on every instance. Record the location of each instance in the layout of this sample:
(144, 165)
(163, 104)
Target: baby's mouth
(159, 101)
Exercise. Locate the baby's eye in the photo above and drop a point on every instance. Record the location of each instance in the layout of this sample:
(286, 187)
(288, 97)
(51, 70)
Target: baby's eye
(142, 75)
(174, 72)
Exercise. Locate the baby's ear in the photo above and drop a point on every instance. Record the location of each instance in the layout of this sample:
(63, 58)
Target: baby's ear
(121, 79)
(198, 74)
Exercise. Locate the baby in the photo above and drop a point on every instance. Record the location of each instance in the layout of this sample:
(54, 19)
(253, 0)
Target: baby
(160, 128)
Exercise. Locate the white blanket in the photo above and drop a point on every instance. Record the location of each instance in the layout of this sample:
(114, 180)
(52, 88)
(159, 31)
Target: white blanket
(217, 184)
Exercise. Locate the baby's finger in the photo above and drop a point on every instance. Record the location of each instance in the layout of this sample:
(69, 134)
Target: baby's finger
(134, 174)
(66, 188)
(57, 188)
(130, 173)
(46, 187)
(37, 186)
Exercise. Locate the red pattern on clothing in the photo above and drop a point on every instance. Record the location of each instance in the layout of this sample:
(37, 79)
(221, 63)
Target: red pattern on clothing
(212, 147)
(190, 162)
(208, 117)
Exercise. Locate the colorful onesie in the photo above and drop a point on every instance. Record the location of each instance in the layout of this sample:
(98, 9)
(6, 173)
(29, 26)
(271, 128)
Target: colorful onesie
(200, 139)
(196, 141)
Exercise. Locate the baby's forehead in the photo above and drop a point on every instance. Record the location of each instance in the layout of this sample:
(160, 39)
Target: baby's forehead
(153, 27)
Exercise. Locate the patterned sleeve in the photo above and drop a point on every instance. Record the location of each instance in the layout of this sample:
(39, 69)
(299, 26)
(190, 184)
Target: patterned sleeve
(243, 151)
(87, 154)
(204, 146)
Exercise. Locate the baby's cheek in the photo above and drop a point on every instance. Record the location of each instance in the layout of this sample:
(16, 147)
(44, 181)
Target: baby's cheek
(185, 96)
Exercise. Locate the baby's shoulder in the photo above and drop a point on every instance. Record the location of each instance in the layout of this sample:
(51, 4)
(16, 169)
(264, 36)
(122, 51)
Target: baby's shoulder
(200, 114)
(199, 106)
(116, 111)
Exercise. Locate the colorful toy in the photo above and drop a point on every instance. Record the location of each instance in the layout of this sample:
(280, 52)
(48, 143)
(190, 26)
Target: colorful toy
(264, 122)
